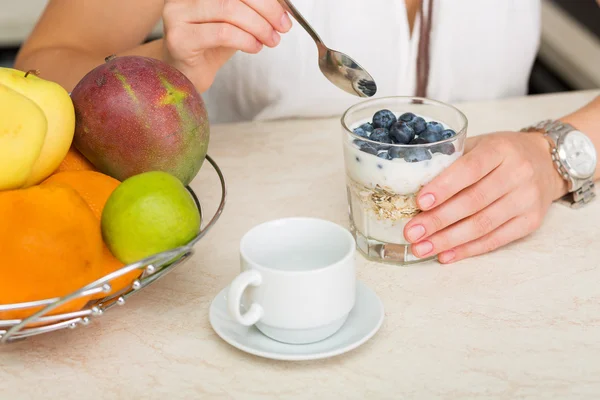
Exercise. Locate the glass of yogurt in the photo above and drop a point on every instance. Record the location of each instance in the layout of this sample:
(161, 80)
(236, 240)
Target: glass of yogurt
(393, 146)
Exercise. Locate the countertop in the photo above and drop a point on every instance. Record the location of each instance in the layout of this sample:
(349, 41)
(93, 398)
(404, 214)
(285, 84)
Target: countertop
(520, 323)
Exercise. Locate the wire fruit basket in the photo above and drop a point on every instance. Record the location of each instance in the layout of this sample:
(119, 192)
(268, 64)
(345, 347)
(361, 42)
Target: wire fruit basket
(151, 268)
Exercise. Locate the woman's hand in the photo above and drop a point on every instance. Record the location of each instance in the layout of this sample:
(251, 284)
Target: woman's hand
(201, 35)
(499, 191)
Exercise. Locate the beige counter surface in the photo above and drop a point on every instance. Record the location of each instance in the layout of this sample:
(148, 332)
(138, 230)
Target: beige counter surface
(520, 323)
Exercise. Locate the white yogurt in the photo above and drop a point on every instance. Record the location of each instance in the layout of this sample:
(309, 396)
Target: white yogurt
(397, 175)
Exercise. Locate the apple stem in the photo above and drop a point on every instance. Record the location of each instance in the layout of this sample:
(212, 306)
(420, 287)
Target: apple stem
(110, 58)
(35, 72)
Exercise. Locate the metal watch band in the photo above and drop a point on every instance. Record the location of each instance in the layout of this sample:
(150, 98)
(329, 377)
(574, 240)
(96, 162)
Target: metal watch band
(550, 126)
(581, 195)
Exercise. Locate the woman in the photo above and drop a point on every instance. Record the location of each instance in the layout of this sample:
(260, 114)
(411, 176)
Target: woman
(249, 64)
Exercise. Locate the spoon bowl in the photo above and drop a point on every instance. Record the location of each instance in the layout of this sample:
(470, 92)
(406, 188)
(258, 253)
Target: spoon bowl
(338, 68)
(345, 73)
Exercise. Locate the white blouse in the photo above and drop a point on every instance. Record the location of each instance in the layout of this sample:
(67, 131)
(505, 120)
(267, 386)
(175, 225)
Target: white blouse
(479, 50)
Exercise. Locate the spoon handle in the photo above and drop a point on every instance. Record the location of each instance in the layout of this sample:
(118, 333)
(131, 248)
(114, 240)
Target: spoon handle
(289, 7)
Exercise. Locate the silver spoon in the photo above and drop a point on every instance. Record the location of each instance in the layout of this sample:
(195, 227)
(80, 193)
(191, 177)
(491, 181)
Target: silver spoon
(341, 70)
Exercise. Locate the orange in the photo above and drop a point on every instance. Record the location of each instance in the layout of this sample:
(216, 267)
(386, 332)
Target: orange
(50, 246)
(75, 161)
(95, 188)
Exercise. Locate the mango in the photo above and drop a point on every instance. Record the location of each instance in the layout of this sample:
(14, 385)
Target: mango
(58, 109)
(136, 114)
(23, 127)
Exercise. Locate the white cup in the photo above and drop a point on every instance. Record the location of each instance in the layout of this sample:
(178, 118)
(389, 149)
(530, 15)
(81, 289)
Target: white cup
(298, 280)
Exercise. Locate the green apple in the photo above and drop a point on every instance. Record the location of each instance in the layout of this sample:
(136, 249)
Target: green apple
(147, 214)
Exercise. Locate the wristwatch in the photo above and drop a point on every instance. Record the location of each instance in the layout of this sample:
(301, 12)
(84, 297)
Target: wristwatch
(574, 156)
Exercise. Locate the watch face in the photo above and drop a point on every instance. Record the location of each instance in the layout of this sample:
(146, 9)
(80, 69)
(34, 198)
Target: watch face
(579, 155)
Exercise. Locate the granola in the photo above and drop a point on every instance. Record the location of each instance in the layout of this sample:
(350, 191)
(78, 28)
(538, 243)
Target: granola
(388, 205)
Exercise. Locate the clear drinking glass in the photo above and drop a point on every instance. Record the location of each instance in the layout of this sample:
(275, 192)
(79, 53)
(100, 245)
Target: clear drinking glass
(382, 190)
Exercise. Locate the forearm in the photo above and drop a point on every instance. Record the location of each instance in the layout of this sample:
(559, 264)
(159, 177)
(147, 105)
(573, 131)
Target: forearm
(587, 120)
(67, 66)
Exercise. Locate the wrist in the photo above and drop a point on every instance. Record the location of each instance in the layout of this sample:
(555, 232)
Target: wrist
(201, 74)
(559, 186)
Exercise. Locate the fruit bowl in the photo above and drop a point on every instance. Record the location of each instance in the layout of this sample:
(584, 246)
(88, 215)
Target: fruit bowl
(152, 268)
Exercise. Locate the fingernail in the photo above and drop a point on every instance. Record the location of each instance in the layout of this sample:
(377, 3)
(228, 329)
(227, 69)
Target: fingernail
(447, 256)
(286, 22)
(426, 201)
(423, 248)
(276, 38)
(415, 233)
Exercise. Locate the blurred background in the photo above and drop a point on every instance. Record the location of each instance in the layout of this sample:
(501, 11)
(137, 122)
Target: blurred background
(569, 56)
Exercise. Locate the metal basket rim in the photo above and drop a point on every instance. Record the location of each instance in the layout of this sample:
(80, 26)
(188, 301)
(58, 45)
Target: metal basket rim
(153, 268)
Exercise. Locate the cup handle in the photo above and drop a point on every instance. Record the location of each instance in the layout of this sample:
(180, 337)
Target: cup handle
(234, 298)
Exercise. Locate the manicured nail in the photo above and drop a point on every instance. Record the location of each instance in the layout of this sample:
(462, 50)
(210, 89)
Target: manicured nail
(415, 233)
(286, 22)
(447, 256)
(423, 248)
(276, 38)
(426, 201)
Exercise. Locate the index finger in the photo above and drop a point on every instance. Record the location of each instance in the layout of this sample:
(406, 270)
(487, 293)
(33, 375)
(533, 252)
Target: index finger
(464, 172)
(273, 12)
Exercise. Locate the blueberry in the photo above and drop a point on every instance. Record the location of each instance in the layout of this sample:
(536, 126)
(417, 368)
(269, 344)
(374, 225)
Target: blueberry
(417, 154)
(381, 135)
(407, 117)
(397, 152)
(358, 142)
(383, 154)
(434, 126)
(402, 133)
(369, 148)
(418, 140)
(419, 125)
(361, 132)
(384, 119)
(367, 127)
(431, 136)
(447, 134)
(444, 148)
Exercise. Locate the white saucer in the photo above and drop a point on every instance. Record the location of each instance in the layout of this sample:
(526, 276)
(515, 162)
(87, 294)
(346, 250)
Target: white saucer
(363, 322)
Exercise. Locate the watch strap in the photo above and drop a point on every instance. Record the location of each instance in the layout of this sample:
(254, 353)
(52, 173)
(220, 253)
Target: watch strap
(580, 197)
(550, 127)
